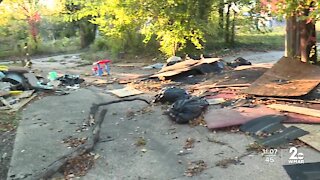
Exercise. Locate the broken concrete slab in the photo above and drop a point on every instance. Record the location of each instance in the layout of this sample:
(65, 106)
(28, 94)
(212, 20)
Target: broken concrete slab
(284, 79)
(42, 128)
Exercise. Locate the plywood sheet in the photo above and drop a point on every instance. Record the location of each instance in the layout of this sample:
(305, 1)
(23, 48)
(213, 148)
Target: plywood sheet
(125, 92)
(313, 137)
(287, 78)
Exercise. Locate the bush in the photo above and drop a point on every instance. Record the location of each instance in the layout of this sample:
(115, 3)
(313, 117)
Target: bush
(99, 44)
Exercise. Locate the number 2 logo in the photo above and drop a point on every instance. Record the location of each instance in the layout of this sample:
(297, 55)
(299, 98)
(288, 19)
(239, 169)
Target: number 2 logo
(294, 153)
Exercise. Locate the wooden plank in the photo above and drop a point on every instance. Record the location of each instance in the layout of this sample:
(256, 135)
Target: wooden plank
(25, 94)
(313, 137)
(210, 86)
(288, 100)
(5, 102)
(125, 92)
(18, 106)
(295, 109)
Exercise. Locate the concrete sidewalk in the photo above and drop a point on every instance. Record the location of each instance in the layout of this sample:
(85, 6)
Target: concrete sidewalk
(45, 123)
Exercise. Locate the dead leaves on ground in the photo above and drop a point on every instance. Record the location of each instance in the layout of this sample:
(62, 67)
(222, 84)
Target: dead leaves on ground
(78, 166)
(195, 168)
(74, 142)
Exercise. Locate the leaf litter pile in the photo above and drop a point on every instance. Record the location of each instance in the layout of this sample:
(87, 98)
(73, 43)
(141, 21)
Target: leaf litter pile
(74, 142)
(78, 166)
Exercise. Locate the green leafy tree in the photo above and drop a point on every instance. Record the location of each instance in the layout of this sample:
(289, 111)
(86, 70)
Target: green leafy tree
(175, 24)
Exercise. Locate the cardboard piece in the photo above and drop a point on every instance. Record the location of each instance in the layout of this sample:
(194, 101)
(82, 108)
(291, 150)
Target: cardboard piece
(125, 92)
(287, 78)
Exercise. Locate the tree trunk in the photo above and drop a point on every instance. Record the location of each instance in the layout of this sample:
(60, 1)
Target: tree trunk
(233, 28)
(221, 18)
(308, 40)
(227, 29)
(87, 33)
(292, 43)
(303, 41)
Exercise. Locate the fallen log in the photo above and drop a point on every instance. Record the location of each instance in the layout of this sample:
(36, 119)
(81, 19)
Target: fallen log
(88, 146)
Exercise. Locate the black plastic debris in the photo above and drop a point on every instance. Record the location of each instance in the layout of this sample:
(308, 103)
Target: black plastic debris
(70, 80)
(239, 62)
(306, 171)
(215, 67)
(284, 137)
(171, 95)
(265, 124)
(17, 79)
(271, 126)
(185, 110)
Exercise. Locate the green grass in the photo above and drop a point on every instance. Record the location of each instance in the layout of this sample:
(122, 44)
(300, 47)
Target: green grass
(65, 45)
(8, 121)
(274, 40)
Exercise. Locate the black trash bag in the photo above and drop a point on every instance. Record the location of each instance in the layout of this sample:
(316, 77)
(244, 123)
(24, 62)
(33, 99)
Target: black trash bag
(239, 62)
(70, 80)
(185, 110)
(171, 95)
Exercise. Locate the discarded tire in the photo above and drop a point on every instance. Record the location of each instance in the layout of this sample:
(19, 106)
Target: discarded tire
(171, 95)
(185, 110)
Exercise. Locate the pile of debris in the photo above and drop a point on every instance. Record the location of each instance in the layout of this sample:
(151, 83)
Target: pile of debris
(279, 97)
(18, 86)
